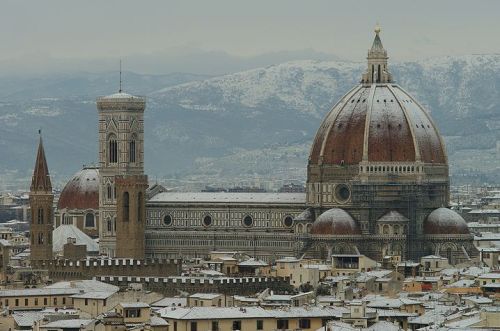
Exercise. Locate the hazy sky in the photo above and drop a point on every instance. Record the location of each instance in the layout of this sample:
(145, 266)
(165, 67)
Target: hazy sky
(33, 31)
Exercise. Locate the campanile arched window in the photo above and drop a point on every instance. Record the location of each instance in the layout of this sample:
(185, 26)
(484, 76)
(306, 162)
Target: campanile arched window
(132, 149)
(40, 215)
(112, 149)
(109, 191)
(139, 207)
(126, 206)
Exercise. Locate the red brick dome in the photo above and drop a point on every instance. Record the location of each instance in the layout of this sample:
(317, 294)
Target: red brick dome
(377, 123)
(81, 191)
(445, 221)
(335, 221)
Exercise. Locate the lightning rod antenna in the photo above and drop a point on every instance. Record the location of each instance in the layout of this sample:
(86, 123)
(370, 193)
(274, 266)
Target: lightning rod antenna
(120, 90)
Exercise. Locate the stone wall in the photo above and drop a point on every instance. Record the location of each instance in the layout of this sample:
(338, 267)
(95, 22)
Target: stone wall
(170, 286)
(87, 269)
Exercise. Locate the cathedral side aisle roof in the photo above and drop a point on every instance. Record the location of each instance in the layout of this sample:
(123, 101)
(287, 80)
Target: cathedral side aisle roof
(223, 197)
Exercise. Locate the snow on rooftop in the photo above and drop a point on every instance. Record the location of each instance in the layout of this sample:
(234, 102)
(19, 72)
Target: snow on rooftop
(169, 302)
(205, 296)
(86, 285)
(68, 324)
(38, 292)
(97, 295)
(63, 232)
(225, 197)
(134, 305)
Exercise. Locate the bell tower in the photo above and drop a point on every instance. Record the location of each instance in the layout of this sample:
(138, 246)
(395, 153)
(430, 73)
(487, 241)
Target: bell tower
(41, 200)
(121, 155)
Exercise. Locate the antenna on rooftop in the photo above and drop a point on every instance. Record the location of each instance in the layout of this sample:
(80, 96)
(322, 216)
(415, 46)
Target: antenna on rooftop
(120, 90)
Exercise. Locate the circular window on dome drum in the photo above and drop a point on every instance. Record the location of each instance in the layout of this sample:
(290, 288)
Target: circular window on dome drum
(207, 220)
(248, 221)
(288, 221)
(342, 192)
(167, 220)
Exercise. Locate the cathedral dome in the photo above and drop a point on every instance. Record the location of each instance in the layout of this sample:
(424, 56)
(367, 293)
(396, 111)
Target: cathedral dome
(335, 221)
(377, 121)
(445, 221)
(81, 191)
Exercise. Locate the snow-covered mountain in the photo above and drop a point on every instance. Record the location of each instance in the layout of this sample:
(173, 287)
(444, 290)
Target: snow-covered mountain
(259, 122)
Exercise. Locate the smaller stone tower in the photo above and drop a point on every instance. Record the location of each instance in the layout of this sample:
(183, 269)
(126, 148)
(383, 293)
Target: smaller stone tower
(130, 215)
(41, 199)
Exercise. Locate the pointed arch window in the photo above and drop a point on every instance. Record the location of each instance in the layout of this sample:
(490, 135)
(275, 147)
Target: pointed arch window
(89, 220)
(126, 206)
(110, 192)
(132, 150)
(40, 238)
(40, 215)
(109, 225)
(112, 149)
(139, 207)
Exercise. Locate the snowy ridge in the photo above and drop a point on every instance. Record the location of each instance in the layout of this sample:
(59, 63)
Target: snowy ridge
(303, 85)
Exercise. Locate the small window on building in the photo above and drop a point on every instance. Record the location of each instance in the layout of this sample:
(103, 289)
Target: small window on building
(194, 326)
(112, 149)
(236, 325)
(45, 301)
(126, 206)
(207, 220)
(26, 302)
(215, 325)
(248, 221)
(132, 150)
(167, 220)
(304, 323)
(139, 207)
(40, 215)
(288, 221)
(260, 325)
(281, 324)
(89, 220)
(133, 313)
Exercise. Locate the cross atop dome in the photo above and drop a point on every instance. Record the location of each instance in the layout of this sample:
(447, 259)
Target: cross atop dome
(377, 71)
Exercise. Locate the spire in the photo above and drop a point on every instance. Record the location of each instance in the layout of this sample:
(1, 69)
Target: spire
(41, 177)
(120, 90)
(377, 43)
(377, 71)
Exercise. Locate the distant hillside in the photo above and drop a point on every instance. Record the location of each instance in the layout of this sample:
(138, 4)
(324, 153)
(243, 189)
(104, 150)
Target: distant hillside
(253, 124)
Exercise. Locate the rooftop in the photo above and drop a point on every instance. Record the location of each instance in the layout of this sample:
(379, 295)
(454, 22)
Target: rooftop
(134, 305)
(224, 197)
(38, 292)
(68, 324)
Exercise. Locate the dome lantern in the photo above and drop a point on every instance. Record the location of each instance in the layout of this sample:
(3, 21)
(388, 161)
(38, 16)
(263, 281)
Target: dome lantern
(377, 71)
